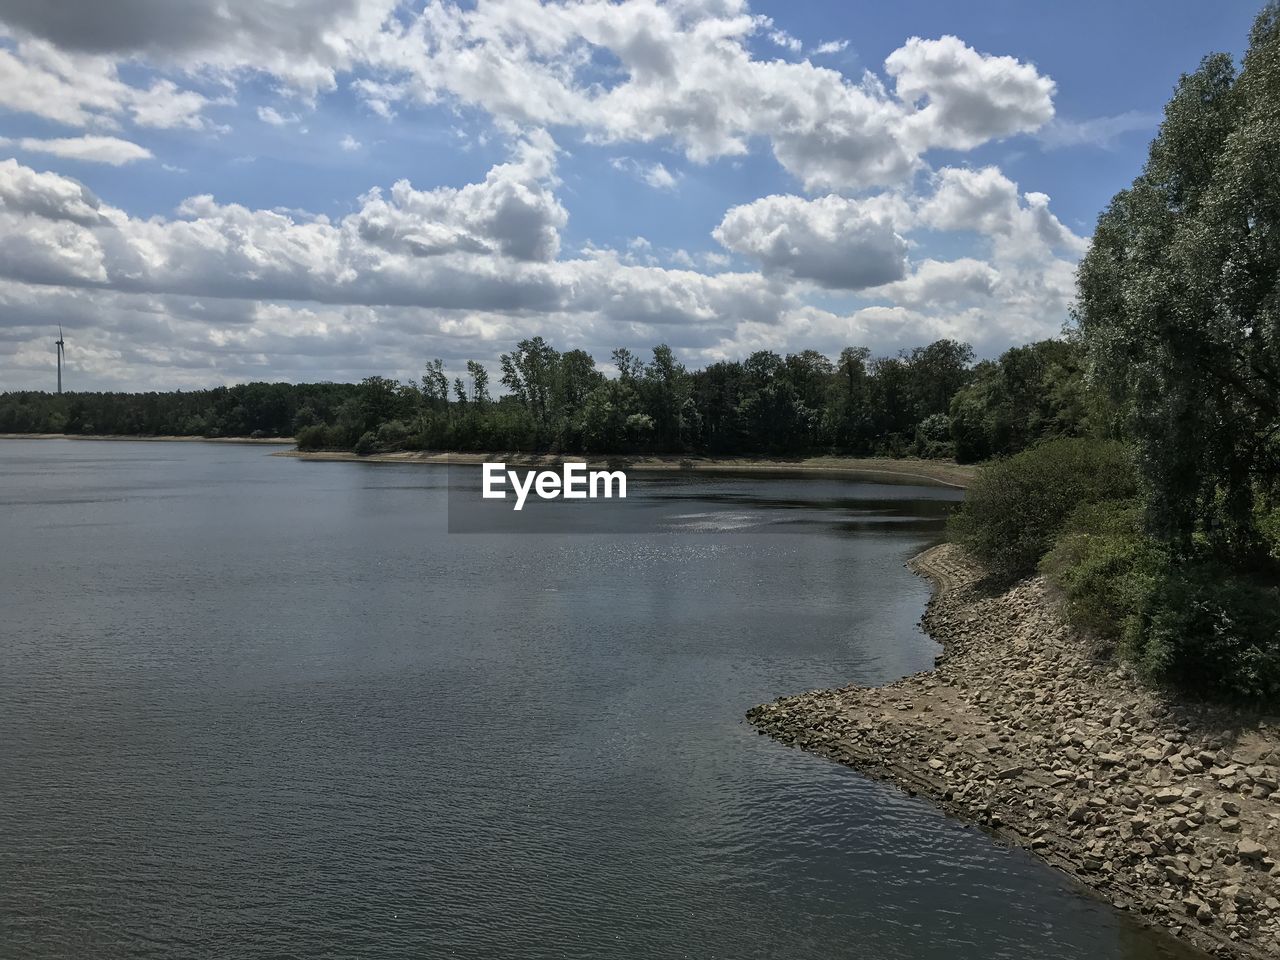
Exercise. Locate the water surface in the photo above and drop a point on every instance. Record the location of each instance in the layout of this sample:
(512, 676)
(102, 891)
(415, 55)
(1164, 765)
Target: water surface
(255, 707)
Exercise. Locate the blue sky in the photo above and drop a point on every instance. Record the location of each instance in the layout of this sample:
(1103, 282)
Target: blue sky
(205, 195)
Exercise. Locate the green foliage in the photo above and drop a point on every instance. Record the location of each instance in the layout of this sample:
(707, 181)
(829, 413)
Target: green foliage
(933, 438)
(269, 409)
(1031, 393)
(797, 404)
(1179, 304)
(1268, 521)
(1197, 625)
(392, 435)
(313, 437)
(1105, 565)
(366, 445)
(1205, 628)
(1016, 508)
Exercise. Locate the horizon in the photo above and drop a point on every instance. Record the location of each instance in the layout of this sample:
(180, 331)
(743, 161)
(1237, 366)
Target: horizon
(607, 367)
(351, 189)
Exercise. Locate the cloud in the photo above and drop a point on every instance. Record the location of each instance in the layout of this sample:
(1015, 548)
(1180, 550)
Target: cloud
(109, 150)
(272, 116)
(220, 291)
(49, 196)
(987, 202)
(513, 212)
(836, 242)
(685, 74)
(304, 42)
(936, 283)
(82, 90)
(1097, 131)
(785, 40)
(486, 246)
(968, 98)
(655, 175)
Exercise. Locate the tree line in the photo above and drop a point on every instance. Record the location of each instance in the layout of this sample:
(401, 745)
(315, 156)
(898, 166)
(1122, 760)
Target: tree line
(930, 401)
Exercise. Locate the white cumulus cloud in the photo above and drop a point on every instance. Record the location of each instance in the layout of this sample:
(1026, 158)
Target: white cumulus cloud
(833, 241)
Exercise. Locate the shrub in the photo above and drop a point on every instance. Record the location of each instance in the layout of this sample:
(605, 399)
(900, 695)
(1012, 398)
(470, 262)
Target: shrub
(933, 438)
(1268, 520)
(1206, 630)
(1196, 625)
(393, 435)
(1016, 508)
(366, 445)
(312, 437)
(1105, 565)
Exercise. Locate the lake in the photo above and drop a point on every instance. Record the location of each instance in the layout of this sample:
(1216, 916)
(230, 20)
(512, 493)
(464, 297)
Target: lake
(258, 707)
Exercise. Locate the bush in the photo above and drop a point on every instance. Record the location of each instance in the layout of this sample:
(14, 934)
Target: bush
(1016, 508)
(1197, 626)
(1268, 521)
(933, 438)
(1211, 632)
(366, 445)
(393, 435)
(1105, 565)
(312, 438)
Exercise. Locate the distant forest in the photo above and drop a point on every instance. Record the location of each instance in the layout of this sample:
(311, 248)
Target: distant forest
(933, 401)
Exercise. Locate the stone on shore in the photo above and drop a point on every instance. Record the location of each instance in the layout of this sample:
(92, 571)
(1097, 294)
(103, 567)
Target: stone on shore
(1168, 809)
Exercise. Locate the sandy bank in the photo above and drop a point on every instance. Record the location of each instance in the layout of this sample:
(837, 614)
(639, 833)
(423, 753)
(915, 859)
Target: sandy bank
(272, 441)
(1167, 809)
(940, 472)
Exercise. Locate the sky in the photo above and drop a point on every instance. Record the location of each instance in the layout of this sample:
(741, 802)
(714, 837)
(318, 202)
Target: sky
(312, 190)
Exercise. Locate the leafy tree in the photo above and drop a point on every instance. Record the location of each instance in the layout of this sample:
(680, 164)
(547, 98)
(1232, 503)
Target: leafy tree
(1180, 303)
(529, 372)
(479, 382)
(435, 385)
(1031, 393)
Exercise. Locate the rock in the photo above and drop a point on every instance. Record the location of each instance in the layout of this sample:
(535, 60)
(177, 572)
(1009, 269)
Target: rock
(1167, 812)
(1250, 850)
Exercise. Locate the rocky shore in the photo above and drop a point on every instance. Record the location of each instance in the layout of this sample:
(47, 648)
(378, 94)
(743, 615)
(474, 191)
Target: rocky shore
(1170, 810)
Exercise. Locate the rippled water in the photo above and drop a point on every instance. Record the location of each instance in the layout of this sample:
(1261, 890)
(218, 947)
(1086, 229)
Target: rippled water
(252, 707)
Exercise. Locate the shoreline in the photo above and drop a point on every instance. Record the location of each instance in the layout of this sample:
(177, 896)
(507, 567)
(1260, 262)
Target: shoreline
(264, 441)
(939, 472)
(1168, 810)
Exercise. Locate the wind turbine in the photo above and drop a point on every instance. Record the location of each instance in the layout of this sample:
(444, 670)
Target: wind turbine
(62, 349)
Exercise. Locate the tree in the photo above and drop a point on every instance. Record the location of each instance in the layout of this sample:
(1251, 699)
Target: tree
(665, 388)
(435, 385)
(1179, 303)
(848, 421)
(479, 382)
(529, 372)
(1029, 394)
